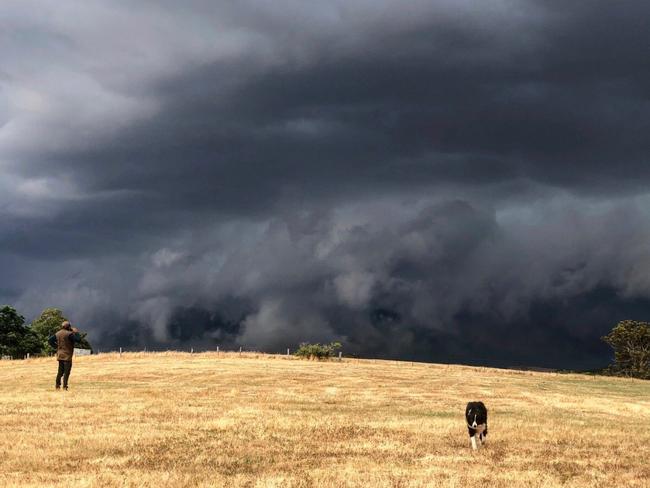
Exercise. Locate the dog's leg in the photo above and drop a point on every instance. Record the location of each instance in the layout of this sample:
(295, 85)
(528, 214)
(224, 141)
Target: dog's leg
(473, 438)
(482, 439)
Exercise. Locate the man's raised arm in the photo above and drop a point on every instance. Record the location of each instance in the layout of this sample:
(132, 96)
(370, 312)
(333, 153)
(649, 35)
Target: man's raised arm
(76, 337)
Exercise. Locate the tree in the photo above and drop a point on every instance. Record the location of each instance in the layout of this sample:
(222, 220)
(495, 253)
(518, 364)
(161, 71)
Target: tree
(49, 323)
(16, 340)
(630, 340)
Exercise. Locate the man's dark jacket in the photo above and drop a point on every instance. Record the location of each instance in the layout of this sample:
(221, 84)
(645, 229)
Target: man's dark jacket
(64, 341)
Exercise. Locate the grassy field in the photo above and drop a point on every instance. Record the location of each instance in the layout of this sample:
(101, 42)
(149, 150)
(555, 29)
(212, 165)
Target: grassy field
(175, 419)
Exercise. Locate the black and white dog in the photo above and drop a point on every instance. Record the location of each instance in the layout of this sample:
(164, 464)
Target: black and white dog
(476, 418)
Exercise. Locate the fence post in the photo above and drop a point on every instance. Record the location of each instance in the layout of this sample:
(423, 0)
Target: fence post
(192, 350)
(239, 351)
(217, 351)
(27, 355)
(120, 352)
(340, 355)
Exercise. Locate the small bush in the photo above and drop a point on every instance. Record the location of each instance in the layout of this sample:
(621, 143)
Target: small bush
(318, 351)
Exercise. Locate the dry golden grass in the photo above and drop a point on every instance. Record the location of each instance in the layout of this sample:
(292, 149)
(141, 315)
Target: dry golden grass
(174, 419)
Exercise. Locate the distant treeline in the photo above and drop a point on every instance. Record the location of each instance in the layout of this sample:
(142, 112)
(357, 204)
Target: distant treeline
(18, 339)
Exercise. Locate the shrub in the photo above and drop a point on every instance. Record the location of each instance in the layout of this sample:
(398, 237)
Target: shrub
(317, 351)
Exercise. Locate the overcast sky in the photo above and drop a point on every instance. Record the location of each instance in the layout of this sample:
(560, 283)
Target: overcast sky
(453, 181)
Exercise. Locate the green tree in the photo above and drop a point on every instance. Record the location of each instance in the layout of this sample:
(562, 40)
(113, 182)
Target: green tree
(16, 340)
(630, 340)
(49, 323)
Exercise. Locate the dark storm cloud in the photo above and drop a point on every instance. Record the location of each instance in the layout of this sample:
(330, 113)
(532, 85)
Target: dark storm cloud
(448, 281)
(399, 177)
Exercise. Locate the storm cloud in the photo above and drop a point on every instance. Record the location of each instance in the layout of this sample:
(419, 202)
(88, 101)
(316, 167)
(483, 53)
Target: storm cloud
(447, 181)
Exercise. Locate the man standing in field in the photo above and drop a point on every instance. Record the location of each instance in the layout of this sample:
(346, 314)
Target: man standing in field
(64, 341)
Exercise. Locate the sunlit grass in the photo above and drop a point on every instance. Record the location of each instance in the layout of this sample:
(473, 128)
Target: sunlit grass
(175, 419)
